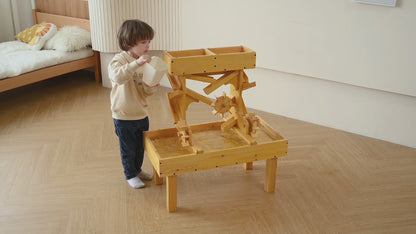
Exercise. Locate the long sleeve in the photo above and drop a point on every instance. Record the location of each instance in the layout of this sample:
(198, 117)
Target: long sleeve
(129, 93)
(120, 72)
(149, 90)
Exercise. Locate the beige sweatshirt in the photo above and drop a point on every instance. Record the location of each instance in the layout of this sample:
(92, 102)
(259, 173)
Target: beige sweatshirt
(128, 94)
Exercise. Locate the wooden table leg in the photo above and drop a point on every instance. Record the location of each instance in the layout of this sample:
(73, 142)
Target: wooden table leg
(171, 193)
(270, 180)
(156, 178)
(248, 166)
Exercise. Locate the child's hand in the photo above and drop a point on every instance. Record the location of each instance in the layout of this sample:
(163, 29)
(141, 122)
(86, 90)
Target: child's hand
(143, 59)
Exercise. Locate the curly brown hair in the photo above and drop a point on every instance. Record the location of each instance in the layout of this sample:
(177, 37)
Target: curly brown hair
(132, 31)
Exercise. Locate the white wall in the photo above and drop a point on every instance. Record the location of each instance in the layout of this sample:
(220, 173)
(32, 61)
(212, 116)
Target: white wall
(369, 112)
(340, 63)
(345, 41)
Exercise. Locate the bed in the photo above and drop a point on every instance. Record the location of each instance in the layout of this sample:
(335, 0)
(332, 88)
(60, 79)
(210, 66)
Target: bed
(59, 65)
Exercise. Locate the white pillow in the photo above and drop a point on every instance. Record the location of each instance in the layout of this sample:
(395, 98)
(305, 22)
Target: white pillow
(37, 35)
(69, 38)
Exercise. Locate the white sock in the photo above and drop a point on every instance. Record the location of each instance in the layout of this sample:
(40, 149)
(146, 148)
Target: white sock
(145, 175)
(136, 182)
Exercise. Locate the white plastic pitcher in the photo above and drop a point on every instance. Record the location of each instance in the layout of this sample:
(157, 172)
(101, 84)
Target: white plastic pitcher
(154, 71)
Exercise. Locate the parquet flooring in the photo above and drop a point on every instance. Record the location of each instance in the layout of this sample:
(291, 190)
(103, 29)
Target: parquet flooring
(60, 172)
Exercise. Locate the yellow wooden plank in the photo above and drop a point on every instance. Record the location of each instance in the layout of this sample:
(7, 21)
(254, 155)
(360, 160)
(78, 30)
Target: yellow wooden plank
(230, 62)
(270, 177)
(234, 58)
(160, 133)
(248, 85)
(156, 178)
(206, 126)
(189, 53)
(192, 65)
(171, 132)
(175, 93)
(206, 79)
(151, 152)
(230, 50)
(229, 123)
(221, 81)
(174, 109)
(221, 158)
(209, 60)
(197, 149)
(171, 193)
(269, 130)
(182, 79)
(248, 166)
(179, 100)
(249, 139)
(174, 81)
(198, 96)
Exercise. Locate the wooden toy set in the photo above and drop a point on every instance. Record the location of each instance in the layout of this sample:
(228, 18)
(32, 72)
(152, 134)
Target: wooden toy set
(240, 138)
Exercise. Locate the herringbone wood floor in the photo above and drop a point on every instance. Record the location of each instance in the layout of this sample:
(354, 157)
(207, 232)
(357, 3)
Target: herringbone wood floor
(60, 172)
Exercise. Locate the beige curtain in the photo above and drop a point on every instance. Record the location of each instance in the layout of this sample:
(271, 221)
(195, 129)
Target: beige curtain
(15, 16)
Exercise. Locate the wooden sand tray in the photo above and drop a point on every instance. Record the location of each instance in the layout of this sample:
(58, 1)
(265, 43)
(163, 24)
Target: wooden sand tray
(240, 138)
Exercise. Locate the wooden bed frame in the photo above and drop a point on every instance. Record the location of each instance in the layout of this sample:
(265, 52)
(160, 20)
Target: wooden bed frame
(59, 69)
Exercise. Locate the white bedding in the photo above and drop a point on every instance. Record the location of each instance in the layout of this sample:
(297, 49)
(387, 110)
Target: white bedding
(17, 57)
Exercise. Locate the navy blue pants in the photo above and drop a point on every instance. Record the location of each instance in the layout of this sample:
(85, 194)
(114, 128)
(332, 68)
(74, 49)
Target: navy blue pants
(130, 135)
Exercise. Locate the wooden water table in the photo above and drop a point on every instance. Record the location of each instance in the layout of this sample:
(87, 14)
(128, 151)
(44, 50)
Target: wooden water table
(241, 138)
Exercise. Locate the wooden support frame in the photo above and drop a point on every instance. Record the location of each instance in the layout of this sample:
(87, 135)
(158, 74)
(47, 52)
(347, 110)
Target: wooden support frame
(241, 138)
(172, 193)
(210, 60)
(200, 65)
(270, 180)
(170, 160)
